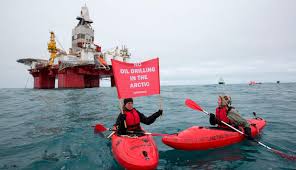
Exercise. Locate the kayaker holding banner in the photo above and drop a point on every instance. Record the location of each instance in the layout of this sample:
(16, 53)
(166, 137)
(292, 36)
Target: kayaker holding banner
(133, 118)
(137, 151)
(225, 112)
(135, 80)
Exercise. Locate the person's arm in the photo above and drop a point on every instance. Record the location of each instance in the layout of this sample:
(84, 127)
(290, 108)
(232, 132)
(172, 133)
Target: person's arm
(236, 118)
(120, 124)
(214, 120)
(150, 119)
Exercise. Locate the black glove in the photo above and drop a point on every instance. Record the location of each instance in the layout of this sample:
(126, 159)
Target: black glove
(157, 114)
(213, 120)
(248, 133)
(160, 112)
(122, 117)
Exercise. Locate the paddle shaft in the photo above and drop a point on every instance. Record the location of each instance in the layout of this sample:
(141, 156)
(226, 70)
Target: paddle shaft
(109, 136)
(102, 128)
(226, 124)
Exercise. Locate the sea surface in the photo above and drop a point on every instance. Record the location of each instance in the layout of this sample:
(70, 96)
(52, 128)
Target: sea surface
(52, 129)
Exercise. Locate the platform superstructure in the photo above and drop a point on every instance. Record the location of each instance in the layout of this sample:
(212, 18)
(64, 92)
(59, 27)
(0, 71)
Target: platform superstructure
(82, 67)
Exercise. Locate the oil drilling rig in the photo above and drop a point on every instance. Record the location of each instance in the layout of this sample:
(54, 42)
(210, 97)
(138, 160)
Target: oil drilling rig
(82, 67)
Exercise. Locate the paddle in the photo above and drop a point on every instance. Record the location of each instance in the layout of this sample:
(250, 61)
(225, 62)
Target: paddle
(99, 128)
(191, 104)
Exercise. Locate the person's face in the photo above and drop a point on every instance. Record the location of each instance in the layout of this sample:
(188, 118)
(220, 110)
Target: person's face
(129, 105)
(219, 101)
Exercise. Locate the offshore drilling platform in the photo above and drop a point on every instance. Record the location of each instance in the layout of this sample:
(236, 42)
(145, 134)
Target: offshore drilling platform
(82, 67)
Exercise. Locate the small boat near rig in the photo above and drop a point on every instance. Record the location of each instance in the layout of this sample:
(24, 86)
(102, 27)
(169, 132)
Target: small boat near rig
(82, 67)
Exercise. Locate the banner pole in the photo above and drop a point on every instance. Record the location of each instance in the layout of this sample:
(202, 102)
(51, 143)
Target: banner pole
(160, 102)
(120, 106)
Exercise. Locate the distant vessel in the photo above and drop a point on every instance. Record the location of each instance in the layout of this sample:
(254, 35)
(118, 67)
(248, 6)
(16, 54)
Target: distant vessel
(254, 82)
(82, 67)
(278, 82)
(221, 81)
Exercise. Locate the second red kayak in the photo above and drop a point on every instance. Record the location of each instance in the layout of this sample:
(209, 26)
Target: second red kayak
(135, 152)
(204, 138)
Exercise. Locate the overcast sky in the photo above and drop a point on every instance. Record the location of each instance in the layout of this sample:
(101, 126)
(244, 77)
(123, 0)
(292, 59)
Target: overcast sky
(197, 41)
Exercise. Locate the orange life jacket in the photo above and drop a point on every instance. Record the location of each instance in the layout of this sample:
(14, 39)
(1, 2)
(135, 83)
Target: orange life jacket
(132, 119)
(221, 115)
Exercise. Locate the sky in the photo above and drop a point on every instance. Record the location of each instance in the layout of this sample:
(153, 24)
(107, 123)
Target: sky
(197, 41)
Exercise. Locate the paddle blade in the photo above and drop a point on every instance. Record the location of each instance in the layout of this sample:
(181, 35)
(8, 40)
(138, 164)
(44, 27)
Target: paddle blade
(283, 155)
(100, 128)
(190, 103)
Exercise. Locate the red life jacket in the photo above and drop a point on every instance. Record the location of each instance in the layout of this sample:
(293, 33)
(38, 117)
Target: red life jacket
(221, 114)
(132, 119)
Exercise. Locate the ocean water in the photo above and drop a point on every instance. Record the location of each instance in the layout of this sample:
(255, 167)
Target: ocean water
(52, 129)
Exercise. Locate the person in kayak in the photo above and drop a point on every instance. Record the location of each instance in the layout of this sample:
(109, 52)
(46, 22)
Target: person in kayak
(228, 114)
(133, 117)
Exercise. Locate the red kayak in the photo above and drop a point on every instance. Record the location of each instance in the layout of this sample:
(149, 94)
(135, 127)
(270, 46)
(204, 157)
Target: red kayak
(203, 138)
(135, 152)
